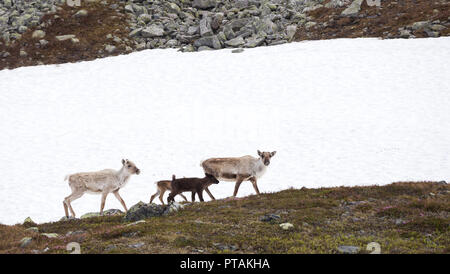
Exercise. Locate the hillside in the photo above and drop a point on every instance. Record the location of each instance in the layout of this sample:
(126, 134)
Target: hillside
(401, 217)
(51, 32)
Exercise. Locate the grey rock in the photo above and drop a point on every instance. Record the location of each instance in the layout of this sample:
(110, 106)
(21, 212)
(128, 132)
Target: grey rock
(209, 41)
(135, 32)
(205, 27)
(110, 48)
(347, 249)
(235, 42)
(239, 50)
(23, 53)
(50, 235)
(142, 211)
(25, 242)
(81, 13)
(353, 9)
(137, 245)
(38, 34)
(32, 229)
(203, 48)
(437, 27)
(290, 31)
(65, 37)
(270, 218)
(152, 31)
(204, 4)
(420, 25)
(254, 42)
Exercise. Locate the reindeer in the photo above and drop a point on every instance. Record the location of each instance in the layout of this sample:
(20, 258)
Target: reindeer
(245, 168)
(194, 185)
(99, 182)
(162, 187)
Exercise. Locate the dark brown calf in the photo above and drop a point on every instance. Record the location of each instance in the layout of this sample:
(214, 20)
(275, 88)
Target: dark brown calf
(195, 185)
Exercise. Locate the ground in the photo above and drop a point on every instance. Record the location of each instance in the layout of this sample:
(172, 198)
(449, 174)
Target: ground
(401, 217)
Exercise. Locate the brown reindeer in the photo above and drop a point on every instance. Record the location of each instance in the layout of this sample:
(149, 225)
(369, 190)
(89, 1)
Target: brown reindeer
(162, 187)
(194, 185)
(245, 168)
(99, 182)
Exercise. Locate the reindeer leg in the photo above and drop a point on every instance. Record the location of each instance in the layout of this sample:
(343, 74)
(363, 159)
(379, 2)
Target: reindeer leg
(153, 196)
(102, 205)
(200, 195)
(209, 193)
(193, 196)
(255, 186)
(161, 195)
(116, 193)
(238, 184)
(69, 199)
(184, 197)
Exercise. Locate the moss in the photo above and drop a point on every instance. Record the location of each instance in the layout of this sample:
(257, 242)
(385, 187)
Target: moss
(323, 219)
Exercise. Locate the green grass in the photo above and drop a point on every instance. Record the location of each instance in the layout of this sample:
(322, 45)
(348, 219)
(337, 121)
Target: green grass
(401, 217)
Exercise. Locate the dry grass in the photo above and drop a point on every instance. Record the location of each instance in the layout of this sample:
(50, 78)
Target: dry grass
(382, 22)
(402, 217)
(90, 30)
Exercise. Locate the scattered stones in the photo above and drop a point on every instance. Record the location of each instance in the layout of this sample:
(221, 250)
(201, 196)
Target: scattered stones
(25, 242)
(347, 249)
(286, 226)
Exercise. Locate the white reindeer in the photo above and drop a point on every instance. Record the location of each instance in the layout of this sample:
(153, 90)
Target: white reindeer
(99, 182)
(245, 168)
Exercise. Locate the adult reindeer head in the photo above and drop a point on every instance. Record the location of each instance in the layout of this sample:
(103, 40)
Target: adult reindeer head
(265, 156)
(130, 166)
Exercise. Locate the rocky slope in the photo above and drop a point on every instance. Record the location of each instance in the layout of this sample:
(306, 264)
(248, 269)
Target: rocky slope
(49, 31)
(399, 218)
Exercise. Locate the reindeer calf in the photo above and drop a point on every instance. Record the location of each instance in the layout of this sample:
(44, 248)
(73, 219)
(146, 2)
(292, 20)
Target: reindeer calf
(162, 187)
(195, 185)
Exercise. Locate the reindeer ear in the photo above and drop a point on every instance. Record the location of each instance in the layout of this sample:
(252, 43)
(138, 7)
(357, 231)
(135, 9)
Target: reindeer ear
(273, 153)
(259, 153)
(123, 162)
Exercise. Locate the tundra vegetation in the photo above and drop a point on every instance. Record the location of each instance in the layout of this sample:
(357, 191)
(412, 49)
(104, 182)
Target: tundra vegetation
(402, 217)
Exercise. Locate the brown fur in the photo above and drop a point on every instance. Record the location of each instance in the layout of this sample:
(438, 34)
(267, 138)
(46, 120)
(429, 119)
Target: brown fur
(238, 169)
(162, 187)
(194, 185)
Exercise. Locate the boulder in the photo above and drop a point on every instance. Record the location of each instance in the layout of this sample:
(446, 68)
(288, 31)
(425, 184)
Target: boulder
(142, 211)
(80, 13)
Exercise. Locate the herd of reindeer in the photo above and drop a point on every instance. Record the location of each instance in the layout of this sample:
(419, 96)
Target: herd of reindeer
(235, 169)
